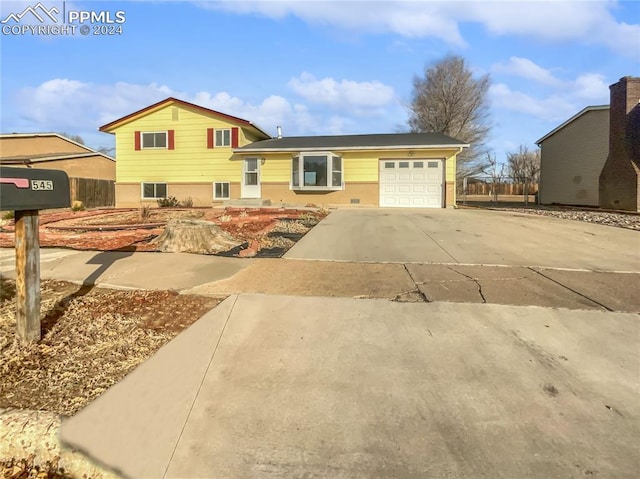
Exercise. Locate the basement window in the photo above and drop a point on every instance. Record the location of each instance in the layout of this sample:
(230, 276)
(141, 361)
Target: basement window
(154, 191)
(221, 190)
(316, 171)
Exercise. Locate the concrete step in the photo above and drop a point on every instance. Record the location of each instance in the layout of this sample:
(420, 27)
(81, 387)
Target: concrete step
(247, 202)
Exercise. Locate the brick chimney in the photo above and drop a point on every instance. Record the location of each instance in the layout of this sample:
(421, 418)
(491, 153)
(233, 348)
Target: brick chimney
(620, 176)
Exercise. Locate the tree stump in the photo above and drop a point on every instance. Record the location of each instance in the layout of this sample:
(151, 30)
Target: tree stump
(195, 236)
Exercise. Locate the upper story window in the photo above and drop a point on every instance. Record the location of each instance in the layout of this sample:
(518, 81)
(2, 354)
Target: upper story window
(223, 137)
(154, 139)
(316, 171)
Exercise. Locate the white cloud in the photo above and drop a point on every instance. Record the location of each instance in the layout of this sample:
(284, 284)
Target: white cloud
(566, 95)
(344, 94)
(591, 87)
(409, 19)
(589, 22)
(78, 107)
(551, 108)
(525, 68)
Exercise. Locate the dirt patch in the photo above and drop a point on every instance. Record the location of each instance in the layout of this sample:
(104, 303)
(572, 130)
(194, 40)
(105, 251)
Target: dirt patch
(136, 230)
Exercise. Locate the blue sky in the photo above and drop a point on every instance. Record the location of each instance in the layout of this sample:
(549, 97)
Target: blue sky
(317, 67)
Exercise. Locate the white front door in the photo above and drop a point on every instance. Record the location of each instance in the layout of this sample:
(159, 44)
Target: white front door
(411, 183)
(251, 178)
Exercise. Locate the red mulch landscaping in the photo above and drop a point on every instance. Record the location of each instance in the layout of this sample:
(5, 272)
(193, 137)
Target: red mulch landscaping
(129, 229)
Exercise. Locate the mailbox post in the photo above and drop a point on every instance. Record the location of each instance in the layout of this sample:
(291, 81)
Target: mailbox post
(26, 191)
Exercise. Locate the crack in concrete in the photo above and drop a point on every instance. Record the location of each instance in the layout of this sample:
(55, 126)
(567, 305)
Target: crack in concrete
(468, 279)
(604, 306)
(475, 280)
(417, 288)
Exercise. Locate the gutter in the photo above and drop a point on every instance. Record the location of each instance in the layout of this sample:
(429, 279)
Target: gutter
(349, 148)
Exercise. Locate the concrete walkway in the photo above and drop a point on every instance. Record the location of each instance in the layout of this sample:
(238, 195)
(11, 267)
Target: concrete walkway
(282, 386)
(214, 275)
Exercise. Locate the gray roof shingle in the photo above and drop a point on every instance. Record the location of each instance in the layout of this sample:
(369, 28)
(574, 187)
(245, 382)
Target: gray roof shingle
(384, 141)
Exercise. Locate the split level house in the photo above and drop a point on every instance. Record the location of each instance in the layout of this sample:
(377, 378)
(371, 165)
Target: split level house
(175, 148)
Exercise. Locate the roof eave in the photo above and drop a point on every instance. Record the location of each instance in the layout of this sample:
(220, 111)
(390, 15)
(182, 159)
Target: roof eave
(43, 159)
(109, 127)
(572, 119)
(350, 148)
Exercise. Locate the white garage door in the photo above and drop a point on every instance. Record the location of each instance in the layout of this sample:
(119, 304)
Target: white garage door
(411, 183)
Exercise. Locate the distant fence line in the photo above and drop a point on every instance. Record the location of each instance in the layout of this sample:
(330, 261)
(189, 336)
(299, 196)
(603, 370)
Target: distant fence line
(494, 190)
(93, 192)
(500, 188)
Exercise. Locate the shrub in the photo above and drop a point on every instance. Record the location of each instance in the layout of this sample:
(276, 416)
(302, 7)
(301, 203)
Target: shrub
(144, 213)
(187, 203)
(77, 206)
(9, 215)
(170, 202)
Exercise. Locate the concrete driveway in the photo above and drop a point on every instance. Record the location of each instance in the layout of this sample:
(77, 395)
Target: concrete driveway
(469, 237)
(282, 386)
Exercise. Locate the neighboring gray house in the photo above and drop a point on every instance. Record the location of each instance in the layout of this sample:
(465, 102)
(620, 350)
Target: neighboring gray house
(572, 156)
(593, 158)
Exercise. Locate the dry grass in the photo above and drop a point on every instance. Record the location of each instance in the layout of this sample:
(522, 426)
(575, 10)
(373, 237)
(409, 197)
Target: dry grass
(91, 339)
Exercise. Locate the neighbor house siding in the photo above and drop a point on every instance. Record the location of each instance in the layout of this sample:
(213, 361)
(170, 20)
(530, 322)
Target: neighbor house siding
(572, 159)
(38, 146)
(190, 161)
(96, 167)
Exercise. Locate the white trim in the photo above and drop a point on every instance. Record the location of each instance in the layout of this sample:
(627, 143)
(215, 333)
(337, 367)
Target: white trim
(215, 137)
(166, 140)
(221, 197)
(572, 119)
(350, 148)
(142, 183)
(299, 158)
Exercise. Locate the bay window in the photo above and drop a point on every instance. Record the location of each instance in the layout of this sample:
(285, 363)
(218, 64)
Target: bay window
(316, 171)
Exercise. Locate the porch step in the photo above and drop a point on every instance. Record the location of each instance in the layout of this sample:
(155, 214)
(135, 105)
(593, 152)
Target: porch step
(247, 202)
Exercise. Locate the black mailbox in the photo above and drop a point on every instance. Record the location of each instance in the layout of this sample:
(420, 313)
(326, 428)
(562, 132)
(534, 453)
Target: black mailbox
(32, 189)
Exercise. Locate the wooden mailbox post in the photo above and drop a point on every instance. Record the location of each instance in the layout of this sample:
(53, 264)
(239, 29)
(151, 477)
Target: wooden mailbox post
(26, 191)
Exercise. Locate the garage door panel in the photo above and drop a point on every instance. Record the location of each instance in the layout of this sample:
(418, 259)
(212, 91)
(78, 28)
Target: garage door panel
(411, 183)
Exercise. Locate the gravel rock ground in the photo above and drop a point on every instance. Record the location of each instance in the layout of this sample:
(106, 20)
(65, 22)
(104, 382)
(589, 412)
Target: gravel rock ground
(619, 220)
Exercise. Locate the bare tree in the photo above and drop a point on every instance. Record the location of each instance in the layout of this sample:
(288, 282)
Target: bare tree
(497, 172)
(449, 100)
(524, 165)
(76, 138)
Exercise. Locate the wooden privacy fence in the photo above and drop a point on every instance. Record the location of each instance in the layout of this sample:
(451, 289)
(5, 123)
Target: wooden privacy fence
(499, 189)
(93, 192)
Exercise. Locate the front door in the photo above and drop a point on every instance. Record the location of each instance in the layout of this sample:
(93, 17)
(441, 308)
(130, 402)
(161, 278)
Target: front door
(251, 178)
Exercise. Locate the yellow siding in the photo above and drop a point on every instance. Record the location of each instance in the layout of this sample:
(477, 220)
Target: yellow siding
(190, 161)
(358, 166)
